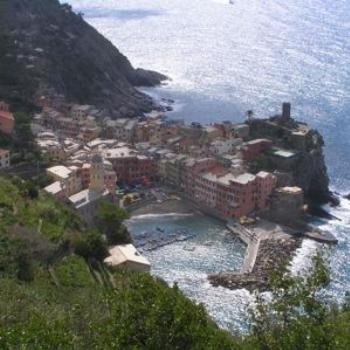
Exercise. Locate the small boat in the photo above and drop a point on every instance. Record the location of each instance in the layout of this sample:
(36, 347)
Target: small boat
(189, 249)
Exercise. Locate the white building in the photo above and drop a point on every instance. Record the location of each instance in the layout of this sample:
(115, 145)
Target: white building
(220, 147)
(127, 256)
(68, 176)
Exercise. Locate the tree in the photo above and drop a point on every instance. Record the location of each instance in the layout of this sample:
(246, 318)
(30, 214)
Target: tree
(25, 268)
(91, 245)
(296, 317)
(110, 219)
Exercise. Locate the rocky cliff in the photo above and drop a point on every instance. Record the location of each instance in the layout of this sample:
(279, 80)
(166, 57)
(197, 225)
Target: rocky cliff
(46, 46)
(307, 168)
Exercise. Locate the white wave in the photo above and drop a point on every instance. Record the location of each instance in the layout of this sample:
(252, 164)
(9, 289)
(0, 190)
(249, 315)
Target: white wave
(155, 216)
(302, 260)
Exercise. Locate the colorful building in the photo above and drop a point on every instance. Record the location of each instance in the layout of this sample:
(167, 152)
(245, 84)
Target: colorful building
(7, 121)
(129, 165)
(232, 195)
(252, 148)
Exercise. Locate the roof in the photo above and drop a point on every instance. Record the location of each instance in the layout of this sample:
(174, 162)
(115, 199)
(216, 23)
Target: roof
(291, 190)
(229, 177)
(120, 152)
(284, 154)
(84, 197)
(263, 174)
(7, 115)
(54, 188)
(256, 141)
(4, 151)
(122, 253)
(60, 171)
(244, 178)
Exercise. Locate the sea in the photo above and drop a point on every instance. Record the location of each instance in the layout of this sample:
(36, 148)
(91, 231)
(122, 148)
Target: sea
(223, 58)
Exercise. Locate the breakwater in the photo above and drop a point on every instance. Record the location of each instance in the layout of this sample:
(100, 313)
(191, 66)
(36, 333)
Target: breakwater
(270, 247)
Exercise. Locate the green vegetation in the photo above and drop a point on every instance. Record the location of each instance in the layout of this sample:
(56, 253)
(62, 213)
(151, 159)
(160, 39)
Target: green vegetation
(21, 143)
(110, 219)
(297, 317)
(261, 163)
(56, 294)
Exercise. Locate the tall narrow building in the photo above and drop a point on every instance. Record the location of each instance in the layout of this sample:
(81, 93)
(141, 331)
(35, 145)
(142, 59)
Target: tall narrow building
(97, 173)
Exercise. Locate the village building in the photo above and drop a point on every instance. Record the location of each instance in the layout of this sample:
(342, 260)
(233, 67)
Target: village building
(129, 165)
(231, 195)
(224, 146)
(68, 177)
(253, 148)
(127, 257)
(240, 131)
(86, 202)
(7, 121)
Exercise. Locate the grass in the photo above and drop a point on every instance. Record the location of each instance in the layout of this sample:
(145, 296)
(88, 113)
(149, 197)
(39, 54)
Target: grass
(44, 214)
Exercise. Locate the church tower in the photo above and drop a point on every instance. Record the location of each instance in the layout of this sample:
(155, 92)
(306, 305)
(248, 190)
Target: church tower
(97, 173)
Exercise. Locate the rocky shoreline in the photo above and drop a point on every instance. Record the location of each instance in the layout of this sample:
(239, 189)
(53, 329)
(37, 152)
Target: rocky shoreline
(274, 254)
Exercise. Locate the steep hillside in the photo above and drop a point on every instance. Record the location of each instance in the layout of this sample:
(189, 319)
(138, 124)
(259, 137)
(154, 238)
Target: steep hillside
(56, 294)
(45, 46)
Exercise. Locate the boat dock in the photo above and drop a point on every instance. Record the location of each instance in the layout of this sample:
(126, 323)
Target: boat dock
(251, 239)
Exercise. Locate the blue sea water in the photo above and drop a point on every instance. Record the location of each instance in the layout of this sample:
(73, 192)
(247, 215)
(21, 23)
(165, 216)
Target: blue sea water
(226, 58)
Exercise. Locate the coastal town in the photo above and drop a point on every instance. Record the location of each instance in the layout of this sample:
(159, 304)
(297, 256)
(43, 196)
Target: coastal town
(241, 173)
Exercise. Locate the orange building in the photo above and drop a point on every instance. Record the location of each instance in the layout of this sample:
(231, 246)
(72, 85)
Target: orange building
(7, 121)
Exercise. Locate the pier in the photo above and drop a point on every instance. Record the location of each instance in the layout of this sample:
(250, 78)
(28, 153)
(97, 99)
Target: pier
(251, 239)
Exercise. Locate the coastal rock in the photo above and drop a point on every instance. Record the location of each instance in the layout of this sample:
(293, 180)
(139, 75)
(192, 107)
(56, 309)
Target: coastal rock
(67, 56)
(274, 254)
(308, 168)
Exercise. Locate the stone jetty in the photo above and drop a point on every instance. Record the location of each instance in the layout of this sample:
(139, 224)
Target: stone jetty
(269, 247)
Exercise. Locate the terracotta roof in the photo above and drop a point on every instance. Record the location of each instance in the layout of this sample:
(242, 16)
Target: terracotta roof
(3, 151)
(7, 115)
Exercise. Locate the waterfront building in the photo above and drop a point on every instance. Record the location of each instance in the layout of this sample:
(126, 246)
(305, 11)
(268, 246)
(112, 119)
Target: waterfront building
(174, 171)
(230, 195)
(287, 205)
(128, 257)
(193, 168)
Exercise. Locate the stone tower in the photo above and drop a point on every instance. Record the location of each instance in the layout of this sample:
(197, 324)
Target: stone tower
(97, 173)
(286, 108)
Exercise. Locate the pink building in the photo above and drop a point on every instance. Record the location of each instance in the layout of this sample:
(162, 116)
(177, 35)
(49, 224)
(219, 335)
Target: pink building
(7, 121)
(193, 168)
(129, 166)
(234, 196)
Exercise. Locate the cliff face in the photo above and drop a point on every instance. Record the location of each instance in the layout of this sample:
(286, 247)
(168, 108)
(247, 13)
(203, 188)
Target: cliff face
(310, 172)
(45, 46)
(307, 169)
